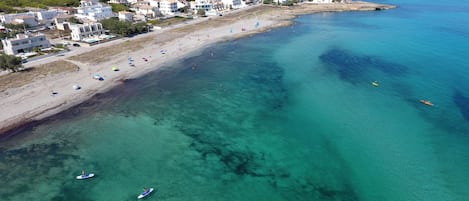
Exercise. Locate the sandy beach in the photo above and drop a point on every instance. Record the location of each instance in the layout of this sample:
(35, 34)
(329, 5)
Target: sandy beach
(52, 93)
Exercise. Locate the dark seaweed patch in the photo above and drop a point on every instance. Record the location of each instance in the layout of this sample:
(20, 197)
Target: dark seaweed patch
(459, 31)
(353, 68)
(462, 103)
(30, 161)
(77, 193)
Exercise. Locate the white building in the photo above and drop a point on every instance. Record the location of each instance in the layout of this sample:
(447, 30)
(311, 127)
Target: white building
(83, 31)
(182, 4)
(94, 11)
(9, 18)
(168, 7)
(62, 22)
(146, 10)
(26, 20)
(24, 43)
(47, 14)
(118, 1)
(125, 16)
(202, 4)
(233, 4)
(321, 1)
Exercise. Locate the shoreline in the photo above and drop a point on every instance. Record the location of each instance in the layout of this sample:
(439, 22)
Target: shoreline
(25, 106)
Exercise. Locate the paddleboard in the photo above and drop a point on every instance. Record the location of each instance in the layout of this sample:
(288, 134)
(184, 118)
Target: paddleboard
(86, 176)
(145, 194)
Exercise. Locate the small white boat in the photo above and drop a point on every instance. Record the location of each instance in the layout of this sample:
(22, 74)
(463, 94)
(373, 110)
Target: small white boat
(76, 87)
(86, 176)
(144, 194)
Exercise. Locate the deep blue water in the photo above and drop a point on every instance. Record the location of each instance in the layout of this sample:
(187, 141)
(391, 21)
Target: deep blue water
(285, 115)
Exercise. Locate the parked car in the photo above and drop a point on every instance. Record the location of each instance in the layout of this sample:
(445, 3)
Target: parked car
(76, 45)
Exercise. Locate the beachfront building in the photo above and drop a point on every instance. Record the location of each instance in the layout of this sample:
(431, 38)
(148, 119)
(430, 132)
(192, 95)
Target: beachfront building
(93, 11)
(217, 5)
(125, 16)
(202, 5)
(62, 22)
(182, 4)
(321, 1)
(84, 31)
(233, 4)
(46, 14)
(118, 1)
(46, 17)
(30, 21)
(168, 7)
(24, 43)
(145, 10)
(66, 10)
(10, 18)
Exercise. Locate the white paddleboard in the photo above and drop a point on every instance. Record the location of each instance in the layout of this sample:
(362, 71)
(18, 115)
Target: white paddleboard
(85, 176)
(145, 194)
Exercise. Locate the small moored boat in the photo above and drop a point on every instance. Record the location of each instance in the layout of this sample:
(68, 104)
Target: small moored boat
(375, 83)
(425, 102)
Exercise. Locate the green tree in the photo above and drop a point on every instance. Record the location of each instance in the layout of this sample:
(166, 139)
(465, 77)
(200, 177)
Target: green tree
(123, 28)
(16, 27)
(11, 6)
(74, 20)
(119, 7)
(36, 49)
(10, 62)
(183, 9)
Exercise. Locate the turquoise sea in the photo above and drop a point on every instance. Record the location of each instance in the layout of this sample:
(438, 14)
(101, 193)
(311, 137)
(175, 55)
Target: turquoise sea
(285, 115)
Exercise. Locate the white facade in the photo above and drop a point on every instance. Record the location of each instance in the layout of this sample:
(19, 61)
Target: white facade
(165, 7)
(83, 31)
(146, 10)
(24, 43)
(27, 20)
(202, 4)
(47, 14)
(321, 1)
(9, 18)
(152, 3)
(181, 4)
(92, 10)
(61, 22)
(125, 16)
(233, 4)
(168, 7)
(118, 1)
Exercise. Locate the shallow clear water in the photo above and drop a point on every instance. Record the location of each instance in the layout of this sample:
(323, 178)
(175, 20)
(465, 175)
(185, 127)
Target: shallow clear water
(285, 115)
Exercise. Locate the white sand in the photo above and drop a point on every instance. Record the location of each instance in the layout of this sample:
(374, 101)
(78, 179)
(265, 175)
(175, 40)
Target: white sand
(34, 101)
